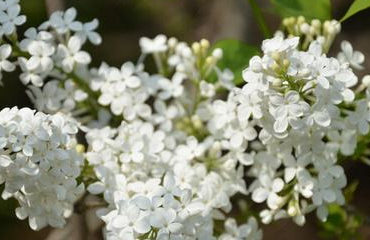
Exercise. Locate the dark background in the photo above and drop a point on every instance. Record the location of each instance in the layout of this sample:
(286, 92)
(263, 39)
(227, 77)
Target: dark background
(123, 22)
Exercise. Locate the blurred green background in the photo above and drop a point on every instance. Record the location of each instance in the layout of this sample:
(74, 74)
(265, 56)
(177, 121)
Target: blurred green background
(123, 22)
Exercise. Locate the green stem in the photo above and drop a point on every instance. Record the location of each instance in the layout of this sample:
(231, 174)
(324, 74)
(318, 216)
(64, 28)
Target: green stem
(260, 19)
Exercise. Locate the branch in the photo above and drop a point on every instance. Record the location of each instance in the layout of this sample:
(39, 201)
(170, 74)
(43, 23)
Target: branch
(74, 230)
(54, 5)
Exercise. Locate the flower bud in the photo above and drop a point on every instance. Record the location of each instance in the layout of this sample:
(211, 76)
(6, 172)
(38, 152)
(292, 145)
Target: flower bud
(276, 82)
(180, 68)
(301, 20)
(286, 22)
(197, 122)
(196, 48)
(305, 28)
(186, 52)
(275, 67)
(331, 30)
(217, 53)
(292, 209)
(316, 24)
(229, 165)
(366, 80)
(292, 20)
(312, 31)
(80, 148)
(204, 44)
(286, 63)
(172, 42)
(210, 60)
(276, 56)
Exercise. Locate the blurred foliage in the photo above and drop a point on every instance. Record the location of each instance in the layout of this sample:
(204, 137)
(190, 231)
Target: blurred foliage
(343, 222)
(236, 55)
(312, 9)
(35, 10)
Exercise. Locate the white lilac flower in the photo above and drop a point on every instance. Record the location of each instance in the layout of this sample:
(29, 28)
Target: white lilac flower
(5, 4)
(181, 151)
(41, 165)
(5, 64)
(32, 35)
(10, 18)
(63, 22)
(88, 32)
(246, 231)
(137, 151)
(294, 97)
(41, 53)
(158, 44)
(71, 54)
(50, 98)
(36, 77)
(123, 90)
(268, 190)
(348, 55)
(286, 108)
(164, 220)
(142, 213)
(164, 115)
(207, 89)
(226, 78)
(360, 117)
(171, 88)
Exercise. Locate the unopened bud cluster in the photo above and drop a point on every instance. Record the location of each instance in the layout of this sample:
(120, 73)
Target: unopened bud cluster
(309, 31)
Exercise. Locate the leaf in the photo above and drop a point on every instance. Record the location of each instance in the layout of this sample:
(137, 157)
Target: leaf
(341, 224)
(310, 9)
(236, 55)
(357, 5)
(349, 191)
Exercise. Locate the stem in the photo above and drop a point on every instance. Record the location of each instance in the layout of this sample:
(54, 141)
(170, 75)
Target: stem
(260, 19)
(158, 63)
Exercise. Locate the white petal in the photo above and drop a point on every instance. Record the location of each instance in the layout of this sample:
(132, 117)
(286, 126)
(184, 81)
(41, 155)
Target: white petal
(119, 222)
(96, 188)
(175, 227)
(259, 195)
(281, 125)
(141, 226)
(323, 82)
(74, 44)
(289, 174)
(322, 118)
(5, 161)
(82, 57)
(236, 140)
(277, 185)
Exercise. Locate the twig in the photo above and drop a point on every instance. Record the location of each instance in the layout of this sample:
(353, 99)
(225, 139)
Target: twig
(54, 5)
(74, 230)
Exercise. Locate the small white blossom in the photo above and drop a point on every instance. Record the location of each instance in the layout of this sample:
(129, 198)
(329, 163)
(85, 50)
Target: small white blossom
(41, 167)
(71, 54)
(10, 18)
(348, 55)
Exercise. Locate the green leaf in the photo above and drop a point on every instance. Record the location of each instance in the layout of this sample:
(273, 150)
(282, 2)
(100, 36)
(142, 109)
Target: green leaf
(341, 224)
(236, 55)
(350, 190)
(357, 5)
(310, 9)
